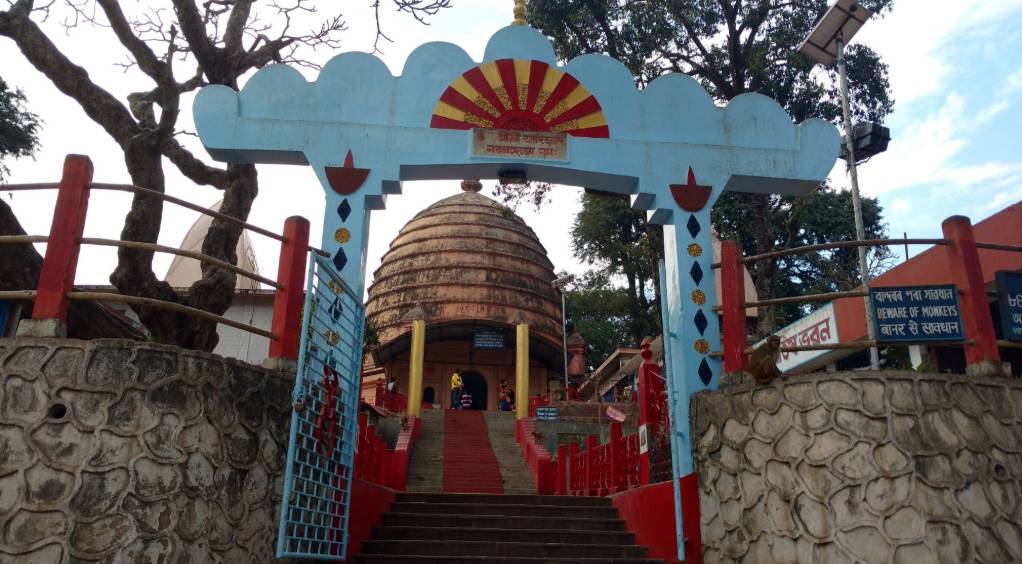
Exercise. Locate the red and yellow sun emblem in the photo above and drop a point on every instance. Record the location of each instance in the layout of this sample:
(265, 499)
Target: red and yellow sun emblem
(520, 95)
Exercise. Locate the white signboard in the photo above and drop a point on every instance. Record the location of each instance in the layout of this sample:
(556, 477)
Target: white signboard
(643, 440)
(817, 328)
(532, 145)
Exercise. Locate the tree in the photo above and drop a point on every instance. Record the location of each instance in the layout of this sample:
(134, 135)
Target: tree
(19, 128)
(612, 236)
(178, 48)
(601, 313)
(733, 47)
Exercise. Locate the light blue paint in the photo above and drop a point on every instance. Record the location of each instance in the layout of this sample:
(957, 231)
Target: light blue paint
(655, 136)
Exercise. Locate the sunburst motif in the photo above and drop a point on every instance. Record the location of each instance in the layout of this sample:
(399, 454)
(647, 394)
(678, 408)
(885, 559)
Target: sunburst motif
(520, 95)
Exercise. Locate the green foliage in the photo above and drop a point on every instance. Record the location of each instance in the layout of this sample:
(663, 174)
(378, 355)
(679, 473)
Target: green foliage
(821, 217)
(19, 128)
(602, 315)
(732, 47)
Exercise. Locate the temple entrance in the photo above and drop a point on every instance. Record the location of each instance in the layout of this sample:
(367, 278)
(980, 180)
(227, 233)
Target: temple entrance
(475, 384)
(429, 395)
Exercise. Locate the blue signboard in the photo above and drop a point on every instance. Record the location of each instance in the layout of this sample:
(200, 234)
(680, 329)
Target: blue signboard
(488, 339)
(548, 413)
(917, 313)
(1009, 297)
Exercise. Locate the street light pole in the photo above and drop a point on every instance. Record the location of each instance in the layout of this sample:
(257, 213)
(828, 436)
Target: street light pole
(860, 231)
(561, 283)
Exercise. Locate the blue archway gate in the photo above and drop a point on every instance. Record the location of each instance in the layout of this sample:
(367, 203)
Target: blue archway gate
(517, 112)
(321, 448)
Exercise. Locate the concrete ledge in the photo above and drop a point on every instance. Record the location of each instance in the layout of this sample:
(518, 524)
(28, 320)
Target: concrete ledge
(869, 467)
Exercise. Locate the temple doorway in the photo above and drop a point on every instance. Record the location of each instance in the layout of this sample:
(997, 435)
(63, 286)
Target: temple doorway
(475, 384)
(429, 395)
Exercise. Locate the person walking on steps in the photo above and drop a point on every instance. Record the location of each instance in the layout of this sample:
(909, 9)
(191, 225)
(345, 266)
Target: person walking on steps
(456, 388)
(504, 399)
(466, 400)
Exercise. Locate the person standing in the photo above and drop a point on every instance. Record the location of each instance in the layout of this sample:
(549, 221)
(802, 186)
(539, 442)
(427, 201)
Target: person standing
(504, 397)
(466, 400)
(457, 386)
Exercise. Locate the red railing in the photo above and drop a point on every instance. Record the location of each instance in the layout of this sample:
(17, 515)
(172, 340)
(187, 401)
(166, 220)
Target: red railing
(603, 469)
(980, 343)
(55, 286)
(538, 401)
(391, 401)
(376, 463)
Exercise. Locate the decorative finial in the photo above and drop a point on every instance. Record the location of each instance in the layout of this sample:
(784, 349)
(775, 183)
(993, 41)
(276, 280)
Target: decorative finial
(520, 12)
(471, 185)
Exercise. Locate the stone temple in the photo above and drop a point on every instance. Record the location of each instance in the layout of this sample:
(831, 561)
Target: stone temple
(475, 270)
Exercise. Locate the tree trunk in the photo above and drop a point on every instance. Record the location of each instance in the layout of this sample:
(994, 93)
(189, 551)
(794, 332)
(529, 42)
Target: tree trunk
(764, 271)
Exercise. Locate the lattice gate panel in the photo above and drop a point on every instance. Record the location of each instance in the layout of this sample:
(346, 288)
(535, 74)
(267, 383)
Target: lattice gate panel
(324, 423)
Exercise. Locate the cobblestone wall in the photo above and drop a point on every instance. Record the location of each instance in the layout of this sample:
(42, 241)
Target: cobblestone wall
(116, 451)
(901, 468)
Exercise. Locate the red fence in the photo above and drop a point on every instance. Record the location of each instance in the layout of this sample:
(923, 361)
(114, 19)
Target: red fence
(603, 469)
(537, 401)
(55, 286)
(376, 463)
(391, 401)
(962, 262)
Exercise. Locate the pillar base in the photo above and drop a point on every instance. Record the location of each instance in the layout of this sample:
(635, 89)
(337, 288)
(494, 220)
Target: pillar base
(985, 368)
(42, 328)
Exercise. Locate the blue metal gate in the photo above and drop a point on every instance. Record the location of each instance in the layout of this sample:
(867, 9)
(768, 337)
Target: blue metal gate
(321, 448)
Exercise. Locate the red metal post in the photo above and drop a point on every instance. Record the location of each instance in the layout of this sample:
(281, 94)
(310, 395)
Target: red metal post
(592, 441)
(649, 373)
(288, 302)
(967, 274)
(689, 489)
(615, 453)
(572, 457)
(732, 290)
(562, 469)
(58, 271)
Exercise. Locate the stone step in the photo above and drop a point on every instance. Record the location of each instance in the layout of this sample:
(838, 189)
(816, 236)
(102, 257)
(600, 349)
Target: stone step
(562, 500)
(525, 509)
(501, 522)
(505, 549)
(504, 535)
(402, 559)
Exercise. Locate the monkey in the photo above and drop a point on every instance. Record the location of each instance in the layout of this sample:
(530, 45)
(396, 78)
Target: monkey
(763, 363)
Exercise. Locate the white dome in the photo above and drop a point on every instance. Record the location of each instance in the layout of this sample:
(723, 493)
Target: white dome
(184, 271)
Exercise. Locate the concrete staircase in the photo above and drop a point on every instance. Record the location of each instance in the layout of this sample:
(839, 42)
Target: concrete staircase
(426, 460)
(518, 479)
(501, 528)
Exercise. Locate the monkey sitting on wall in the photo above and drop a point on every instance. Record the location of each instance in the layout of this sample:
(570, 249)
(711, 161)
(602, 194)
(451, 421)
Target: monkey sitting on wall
(763, 363)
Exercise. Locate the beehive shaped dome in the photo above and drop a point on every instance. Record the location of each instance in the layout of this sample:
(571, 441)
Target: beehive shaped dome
(466, 259)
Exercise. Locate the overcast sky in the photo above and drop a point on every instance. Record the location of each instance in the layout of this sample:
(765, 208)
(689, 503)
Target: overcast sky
(954, 71)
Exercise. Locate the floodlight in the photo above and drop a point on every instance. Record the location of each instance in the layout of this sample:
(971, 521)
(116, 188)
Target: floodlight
(840, 23)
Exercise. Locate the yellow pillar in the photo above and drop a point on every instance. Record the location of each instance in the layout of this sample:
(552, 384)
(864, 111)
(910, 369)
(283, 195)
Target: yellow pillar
(522, 371)
(415, 368)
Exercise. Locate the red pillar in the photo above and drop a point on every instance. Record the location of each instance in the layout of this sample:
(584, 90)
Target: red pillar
(967, 274)
(288, 301)
(58, 271)
(572, 479)
(649, 386)
(592, 441)
(732, 290)
(614, 451)
(562, 470)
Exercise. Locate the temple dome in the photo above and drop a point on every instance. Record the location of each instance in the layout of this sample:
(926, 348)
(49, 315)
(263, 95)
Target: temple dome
(470, 262)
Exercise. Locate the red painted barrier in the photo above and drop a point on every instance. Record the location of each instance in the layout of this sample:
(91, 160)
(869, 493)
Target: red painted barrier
(376, 463)
(369, 502)
(544, 471)
(289, 301)
(58, 271)
(689, 487)
(648, 513)
(537, 401)
(391, 401)
(602, 469)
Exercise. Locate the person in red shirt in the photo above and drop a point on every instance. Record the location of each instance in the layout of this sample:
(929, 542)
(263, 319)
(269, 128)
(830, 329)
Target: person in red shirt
(504, 397)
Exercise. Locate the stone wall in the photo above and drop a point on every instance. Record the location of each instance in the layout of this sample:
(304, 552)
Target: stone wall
(884, 468)
(118, 451)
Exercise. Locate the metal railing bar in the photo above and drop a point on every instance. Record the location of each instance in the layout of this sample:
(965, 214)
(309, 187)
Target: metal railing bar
(866, 343)
(160, 304)
(1009, 344)
(24, 186)
(844, 245)
(16, 239)
(185, 204)
(1000, 247)
(17, 295)
(826, 297)
(175, 251)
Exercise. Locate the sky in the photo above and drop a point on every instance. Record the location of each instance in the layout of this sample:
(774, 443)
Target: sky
(955, 128)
